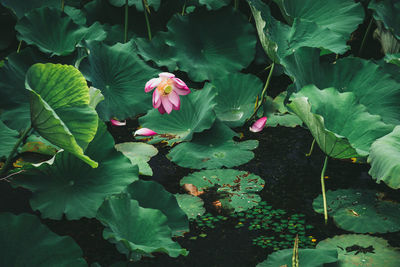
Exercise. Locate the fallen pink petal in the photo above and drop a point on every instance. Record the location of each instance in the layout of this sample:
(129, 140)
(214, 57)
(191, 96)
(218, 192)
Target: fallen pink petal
(145, 132)
(258, 125)
(118, 123)
(168, 88)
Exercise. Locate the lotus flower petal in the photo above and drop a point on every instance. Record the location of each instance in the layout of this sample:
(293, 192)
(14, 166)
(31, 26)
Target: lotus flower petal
(180, 84)
(118, 123)
(150, 85)
(145, 132)
(258, 125)
(166, 104)
(156, 99)
(166, 75)
(161, 109)
(173, 97)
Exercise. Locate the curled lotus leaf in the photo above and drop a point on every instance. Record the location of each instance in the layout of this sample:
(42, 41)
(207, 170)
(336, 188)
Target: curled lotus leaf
(193, 206)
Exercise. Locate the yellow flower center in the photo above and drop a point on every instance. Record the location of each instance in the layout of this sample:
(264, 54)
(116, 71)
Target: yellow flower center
(165, 87)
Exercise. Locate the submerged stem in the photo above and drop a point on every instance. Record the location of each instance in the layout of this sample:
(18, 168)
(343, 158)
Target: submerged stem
(126, 21)
(236, 4)
(263, 91)
(19, 46)
(365, 37)
(311, 148)
(62, 5)
(323, 189)
(8, 162)
(184, 8)
(147, 21)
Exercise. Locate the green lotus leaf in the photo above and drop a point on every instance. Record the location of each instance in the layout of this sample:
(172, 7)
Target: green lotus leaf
(8, 139)
(60, 111)
(95, 97)
(137, 3)
(213, 149)
(214, 4)
(386, 11)
(139, 154)
(236, 96)
(116, 34)
(71, 187)
(25, 241)
(389, 43)
(280, 40)
(372, 85)
(17, 118)
(152, 195)
(121, 76)
(277, 113)
(332, 117)
(37, 144)
(157, 50)
(340, 16)
(193, 206)
(136, 229)
(378, 252)
(196, 114)
(393, 59)
(360, 211)
(205, 49)
(54, 32)
(236, 188)
(307, 257)
(385, 159)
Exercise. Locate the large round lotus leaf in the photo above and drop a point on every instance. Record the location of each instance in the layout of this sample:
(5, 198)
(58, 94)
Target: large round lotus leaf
(145, 191)
(384, 158)
(360, 211)
(21, 7)
(205, 49)
(8, 139)
(362, 250)
(339, 16)
(214, 4)
(193, 206)
(37, 144)
(332, 118)
(121, 76)
(307, 257)
(24, 241)
(196, 114)
(213, 149)
(389, 43)
(139, 154)
(236, 188)
(393, 59)
(387, 11)
(73, 188)
(372, 86)
(60, 111)
(136, 229)
(279, 39)
(54, 32)
(236, 96)
(277, 113)
(137, 3)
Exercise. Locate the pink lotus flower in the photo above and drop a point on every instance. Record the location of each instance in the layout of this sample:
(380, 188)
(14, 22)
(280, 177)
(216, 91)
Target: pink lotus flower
(258, 125)
(145, 132)
(118, 123)
(168, 89)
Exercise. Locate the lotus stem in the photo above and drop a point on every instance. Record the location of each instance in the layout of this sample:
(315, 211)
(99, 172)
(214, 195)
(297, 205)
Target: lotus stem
(236, 4)
(62, 5)
(183, 8)
(365, 37)
(8, 162)
(295, 257)
(311, 148)
(19, 46)
(263, 91)
(147, 20)
(126, 21)
(323, 189)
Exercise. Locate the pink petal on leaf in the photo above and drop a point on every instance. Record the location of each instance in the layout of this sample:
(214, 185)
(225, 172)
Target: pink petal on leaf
(145, 132)
(258, 125)
(118, 123)
(166, 75)
(166, 104)
(150, 85)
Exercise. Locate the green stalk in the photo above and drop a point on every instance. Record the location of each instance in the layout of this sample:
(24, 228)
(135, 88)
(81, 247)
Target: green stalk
(147, 21)
(236, 4)
(311, 148)
(263, 91)
(183, 8)
(19, 46)
(62, 5)
(323, 189)
(8, 162)
(365, 37)
(126, 21)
